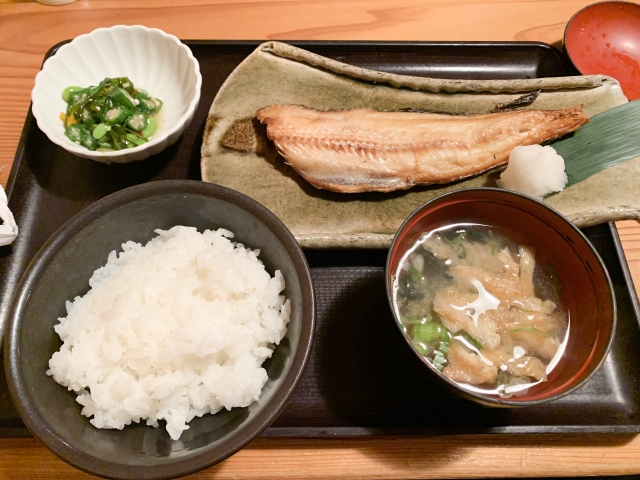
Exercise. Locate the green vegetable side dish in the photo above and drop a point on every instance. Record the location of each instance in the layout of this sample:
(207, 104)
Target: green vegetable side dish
(111, 116)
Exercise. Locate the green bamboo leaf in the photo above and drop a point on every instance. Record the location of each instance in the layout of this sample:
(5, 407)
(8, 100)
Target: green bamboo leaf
(610, 138)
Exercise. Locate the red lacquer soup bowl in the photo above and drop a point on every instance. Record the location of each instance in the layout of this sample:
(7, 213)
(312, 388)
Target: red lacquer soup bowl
(604, 38)
(585, 288)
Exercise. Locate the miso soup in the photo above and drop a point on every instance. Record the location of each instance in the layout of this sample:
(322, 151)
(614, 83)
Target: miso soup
(477, 306)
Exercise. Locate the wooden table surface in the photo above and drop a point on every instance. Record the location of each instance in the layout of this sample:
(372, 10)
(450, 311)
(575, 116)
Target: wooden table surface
(28, 29)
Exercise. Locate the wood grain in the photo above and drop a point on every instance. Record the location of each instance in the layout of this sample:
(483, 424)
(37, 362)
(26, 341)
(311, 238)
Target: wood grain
(630, 236)
(482, 456)
(28, 30)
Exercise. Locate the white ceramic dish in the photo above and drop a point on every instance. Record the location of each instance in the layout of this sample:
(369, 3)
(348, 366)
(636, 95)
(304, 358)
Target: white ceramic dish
(152, 59)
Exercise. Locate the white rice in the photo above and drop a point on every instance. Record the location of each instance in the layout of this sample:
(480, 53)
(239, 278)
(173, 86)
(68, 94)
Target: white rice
(171, 330)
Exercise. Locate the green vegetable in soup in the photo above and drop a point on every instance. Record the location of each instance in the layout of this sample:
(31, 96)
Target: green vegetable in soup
(469, 339)
(432, 339)
(429, 332)
(417, 277)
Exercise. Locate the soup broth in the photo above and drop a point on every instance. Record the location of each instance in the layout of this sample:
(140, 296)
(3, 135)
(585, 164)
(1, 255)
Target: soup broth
(477, 306)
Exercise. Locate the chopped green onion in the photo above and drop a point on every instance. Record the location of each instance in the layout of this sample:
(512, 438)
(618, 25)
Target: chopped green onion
(461, 236)
(417, 277)
(439, 360)
(469, 339)
(429, 332)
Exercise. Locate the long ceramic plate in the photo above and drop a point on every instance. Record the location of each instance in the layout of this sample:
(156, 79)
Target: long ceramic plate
(237, 154)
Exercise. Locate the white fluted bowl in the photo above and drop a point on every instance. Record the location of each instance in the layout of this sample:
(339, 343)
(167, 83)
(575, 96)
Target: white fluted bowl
(152, 59)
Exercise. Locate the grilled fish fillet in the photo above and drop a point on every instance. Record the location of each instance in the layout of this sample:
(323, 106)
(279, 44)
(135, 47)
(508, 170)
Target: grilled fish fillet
(364, 150)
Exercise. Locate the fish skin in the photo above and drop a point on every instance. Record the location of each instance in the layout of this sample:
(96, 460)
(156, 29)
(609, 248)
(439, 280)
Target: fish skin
(362, 150)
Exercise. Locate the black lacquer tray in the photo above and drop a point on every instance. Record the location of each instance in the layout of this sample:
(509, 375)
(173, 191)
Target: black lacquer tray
(361, 379)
